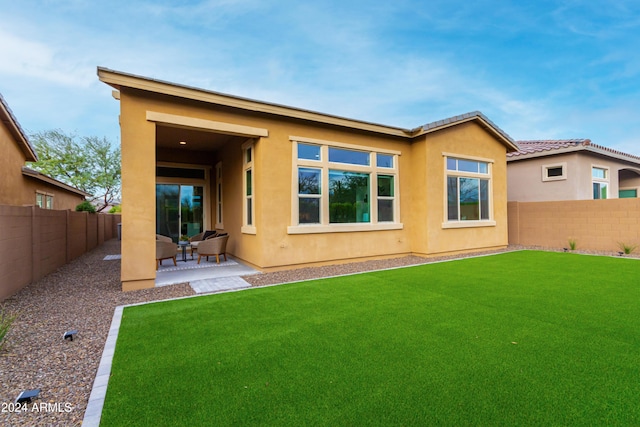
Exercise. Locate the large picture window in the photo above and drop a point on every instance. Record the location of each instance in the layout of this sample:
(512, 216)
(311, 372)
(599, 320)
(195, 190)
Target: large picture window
(348, 197)
(468, 190)
(339, 187)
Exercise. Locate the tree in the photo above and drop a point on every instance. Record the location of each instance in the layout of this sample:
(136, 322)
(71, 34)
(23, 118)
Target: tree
(88, 163)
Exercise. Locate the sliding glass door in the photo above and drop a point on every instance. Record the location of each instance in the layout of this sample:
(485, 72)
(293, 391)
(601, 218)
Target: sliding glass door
(179, 210)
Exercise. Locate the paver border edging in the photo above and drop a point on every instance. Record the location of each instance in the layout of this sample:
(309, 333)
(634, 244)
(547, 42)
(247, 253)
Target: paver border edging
(93, 413)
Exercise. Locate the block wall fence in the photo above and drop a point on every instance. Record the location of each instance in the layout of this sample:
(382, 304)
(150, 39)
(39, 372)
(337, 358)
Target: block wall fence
(594, 224)
(35, 242)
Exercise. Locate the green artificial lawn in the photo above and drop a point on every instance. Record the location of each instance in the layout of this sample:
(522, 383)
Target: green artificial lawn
(521, 338)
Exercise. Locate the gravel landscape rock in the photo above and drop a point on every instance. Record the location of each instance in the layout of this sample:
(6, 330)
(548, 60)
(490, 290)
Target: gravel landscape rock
(81, 295)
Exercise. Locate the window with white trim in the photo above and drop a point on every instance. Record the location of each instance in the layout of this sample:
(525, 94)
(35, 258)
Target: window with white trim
(338, 185)
(219, 223)
(248, 209)
(600, 178)
(44, 200)
(468, 189)
(554, 172)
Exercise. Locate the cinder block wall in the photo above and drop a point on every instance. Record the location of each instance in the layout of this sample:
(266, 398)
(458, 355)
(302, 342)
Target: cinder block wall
(35, 242)
(594, 224)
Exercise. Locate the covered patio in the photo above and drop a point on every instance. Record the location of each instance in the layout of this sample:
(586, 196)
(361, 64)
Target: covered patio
(206, 277)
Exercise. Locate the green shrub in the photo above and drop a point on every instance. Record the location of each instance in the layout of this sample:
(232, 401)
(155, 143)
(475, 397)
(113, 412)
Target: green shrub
(627, 249)
(572, 244)
(6, 320)
(115, 209)
(86, 206)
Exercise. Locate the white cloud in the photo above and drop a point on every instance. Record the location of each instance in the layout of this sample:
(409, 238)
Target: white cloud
(396, 63)
(23, 57)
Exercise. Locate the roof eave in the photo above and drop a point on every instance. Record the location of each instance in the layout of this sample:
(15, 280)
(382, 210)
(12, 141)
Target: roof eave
(485, 124)
(9, 120)
(117, 80)
(544, 153)
(44, 178)
(574, 149)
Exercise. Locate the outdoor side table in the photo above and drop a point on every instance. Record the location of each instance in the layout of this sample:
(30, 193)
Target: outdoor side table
(183, 246)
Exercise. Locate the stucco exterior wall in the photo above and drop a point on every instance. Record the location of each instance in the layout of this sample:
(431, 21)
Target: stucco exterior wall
(629, 180)
(12, 191)
(464, 141)
(19, 190)
(62, 200)
(421, 195)
(274, 177)
(138, 152)
(526, 183)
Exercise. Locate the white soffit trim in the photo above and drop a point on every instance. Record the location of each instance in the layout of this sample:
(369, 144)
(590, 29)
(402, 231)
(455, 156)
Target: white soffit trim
(210, 125)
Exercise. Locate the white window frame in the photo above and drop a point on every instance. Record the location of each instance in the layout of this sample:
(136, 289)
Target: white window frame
(601, 181)
(219, 213)
(46, 199)
(248, 218)
(545, 172)
(447, 223)
(324, 165)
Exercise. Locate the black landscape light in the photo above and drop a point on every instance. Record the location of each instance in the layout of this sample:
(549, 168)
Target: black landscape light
(620, 253)
(27, 395)
(566, 249)
(70, 334)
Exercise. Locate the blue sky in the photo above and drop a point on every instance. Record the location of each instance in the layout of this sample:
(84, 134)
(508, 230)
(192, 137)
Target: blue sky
(539, 70)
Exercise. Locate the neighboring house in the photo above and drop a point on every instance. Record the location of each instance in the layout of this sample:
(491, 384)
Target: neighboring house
(572, 169)
(20, 185)
(102, 208)
(294, 187)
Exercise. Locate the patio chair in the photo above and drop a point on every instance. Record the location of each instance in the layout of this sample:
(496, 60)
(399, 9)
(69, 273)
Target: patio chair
(213, 247)
(162, 238)
(165, 250)
(194, 241)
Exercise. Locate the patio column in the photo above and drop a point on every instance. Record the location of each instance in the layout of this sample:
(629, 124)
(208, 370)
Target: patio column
(138, 244)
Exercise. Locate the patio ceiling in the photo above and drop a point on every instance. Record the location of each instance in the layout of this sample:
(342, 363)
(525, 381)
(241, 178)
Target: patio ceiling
(196, 139)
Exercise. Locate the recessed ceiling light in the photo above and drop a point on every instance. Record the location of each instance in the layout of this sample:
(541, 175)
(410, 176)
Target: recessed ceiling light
(183, 142)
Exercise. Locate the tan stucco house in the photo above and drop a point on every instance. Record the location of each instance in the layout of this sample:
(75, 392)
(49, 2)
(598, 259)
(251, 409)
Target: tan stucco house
(20, 185)
(572, 169)
(294, 187)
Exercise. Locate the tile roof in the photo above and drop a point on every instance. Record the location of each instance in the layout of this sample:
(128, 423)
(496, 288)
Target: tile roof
(465, 117)
(537, 148)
